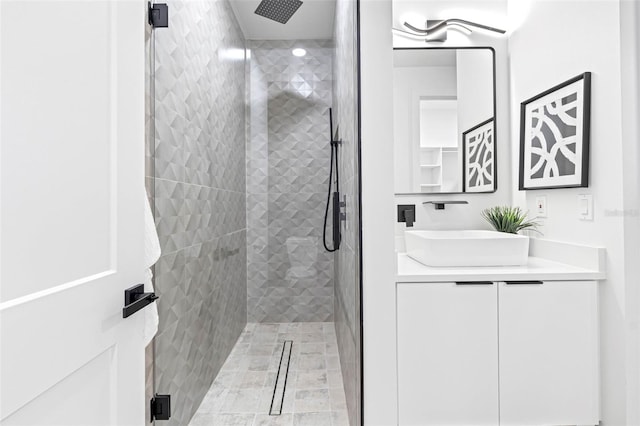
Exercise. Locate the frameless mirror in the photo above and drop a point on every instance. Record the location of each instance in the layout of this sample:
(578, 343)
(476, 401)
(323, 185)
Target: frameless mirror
(444, 120)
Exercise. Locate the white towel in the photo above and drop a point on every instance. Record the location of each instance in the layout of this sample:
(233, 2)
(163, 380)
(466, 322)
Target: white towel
(151, 256)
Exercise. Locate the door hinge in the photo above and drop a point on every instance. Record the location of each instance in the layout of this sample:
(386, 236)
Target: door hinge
(158, 15)
(161, 407)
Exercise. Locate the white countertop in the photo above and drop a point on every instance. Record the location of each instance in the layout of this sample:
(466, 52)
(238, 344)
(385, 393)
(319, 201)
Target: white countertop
(537, 268)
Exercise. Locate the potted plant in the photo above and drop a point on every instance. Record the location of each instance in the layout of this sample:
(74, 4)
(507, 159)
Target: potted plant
(509, 219)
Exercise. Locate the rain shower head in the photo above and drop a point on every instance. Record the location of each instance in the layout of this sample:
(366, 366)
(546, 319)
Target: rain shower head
(278, 10)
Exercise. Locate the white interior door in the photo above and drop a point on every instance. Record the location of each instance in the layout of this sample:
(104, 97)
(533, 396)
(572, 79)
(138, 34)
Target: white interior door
(71, 212)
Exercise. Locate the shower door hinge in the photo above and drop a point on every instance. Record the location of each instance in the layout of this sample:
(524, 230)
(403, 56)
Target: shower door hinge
(158, 15)
(161, 407)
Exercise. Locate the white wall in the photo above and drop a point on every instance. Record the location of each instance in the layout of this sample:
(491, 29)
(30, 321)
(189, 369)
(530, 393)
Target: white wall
(548, 46)
(409, 84)
(475, 92)
(630, 64)
(378, 268)
(475, 87)
(438, 123)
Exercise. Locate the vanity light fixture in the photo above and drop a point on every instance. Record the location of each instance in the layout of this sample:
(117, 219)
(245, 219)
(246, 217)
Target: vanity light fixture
(436, 30)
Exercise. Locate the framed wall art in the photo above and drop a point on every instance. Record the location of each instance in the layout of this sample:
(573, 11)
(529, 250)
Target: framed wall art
(554, 136)
(478, 158)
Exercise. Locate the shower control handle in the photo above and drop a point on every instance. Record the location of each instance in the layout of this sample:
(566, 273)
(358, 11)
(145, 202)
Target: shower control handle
(337, 237)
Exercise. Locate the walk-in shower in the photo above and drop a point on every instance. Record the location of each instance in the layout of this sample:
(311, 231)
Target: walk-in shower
(239, 151)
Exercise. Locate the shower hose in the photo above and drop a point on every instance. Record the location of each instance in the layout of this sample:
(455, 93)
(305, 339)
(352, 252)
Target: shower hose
(336, 215)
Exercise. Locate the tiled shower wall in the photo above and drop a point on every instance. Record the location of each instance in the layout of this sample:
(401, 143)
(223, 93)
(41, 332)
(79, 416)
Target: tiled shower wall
(200, 195)
(288, 156)
(347, 289)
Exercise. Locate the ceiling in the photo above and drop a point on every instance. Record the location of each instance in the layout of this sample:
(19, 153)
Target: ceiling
(313, 20)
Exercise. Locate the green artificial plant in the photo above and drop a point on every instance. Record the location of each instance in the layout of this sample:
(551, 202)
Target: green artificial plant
(509, 219)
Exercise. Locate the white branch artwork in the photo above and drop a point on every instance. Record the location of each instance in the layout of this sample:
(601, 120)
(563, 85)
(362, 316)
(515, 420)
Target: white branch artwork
(479, 158)
(554, 136)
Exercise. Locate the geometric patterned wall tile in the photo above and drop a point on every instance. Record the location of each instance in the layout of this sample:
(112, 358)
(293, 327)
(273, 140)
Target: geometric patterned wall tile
(168, 341)
(292, 309)
(200, 201)
(148, 375)
(288, 158)
(349, 362)
(197, 159)
(197, 214)
(347, 296)
(169, 152)
(228, 211)
(169, 207)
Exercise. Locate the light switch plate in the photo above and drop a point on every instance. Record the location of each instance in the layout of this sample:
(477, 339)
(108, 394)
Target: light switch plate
(585, 207)
(541, 206)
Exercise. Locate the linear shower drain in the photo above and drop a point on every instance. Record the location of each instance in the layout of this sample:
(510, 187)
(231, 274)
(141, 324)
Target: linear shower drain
(280, 386)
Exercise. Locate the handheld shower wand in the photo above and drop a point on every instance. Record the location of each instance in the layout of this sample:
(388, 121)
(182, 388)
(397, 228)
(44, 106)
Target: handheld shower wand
(337, 237)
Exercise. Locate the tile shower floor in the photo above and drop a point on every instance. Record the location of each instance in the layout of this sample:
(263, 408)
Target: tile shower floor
(242, 392)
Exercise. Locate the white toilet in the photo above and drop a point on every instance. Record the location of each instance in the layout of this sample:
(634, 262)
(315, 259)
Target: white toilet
(303, 253)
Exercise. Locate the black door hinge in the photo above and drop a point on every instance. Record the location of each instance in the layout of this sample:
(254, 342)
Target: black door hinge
(161, 407)
(158, 15)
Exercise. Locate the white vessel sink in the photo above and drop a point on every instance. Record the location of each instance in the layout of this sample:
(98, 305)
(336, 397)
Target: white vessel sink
(467, 248)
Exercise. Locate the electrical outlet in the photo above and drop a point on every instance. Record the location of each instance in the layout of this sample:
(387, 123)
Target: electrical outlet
(541, 206)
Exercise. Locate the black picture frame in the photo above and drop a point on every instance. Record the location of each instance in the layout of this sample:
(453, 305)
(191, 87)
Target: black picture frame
(486, 133)
(546, 162)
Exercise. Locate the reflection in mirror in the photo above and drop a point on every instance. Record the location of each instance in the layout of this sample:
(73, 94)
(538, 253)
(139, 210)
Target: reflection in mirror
(443, 116)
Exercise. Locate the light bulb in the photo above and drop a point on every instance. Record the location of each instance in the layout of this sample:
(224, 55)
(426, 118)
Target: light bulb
(299, 52)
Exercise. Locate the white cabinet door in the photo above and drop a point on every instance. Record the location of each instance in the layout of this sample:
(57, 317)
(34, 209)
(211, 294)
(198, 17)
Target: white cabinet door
(549, 353)
(71, 211)
(447, 354)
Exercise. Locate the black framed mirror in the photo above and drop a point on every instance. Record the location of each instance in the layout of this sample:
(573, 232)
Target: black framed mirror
(444, 117)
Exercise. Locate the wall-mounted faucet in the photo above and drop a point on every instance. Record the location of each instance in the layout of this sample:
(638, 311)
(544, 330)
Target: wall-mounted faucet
(439, 205)
(407, 214)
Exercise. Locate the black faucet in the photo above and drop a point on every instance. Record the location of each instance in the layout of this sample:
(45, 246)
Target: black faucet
(407, 214)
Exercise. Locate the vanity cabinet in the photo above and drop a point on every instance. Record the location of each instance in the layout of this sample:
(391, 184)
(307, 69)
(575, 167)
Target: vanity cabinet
(447, 354)
(488, 353)
(549, 371)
